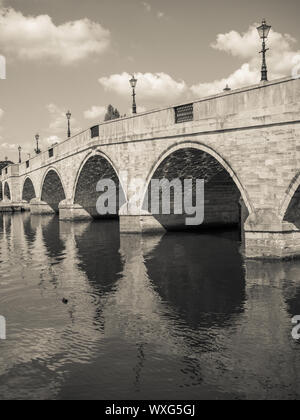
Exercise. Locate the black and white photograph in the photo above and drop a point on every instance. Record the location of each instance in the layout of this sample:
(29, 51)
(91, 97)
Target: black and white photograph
(149, 203)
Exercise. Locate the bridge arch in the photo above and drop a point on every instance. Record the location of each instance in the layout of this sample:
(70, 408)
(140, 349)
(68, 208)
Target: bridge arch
(7, 193)
(52, 189)
(28, 190)
(203, 148)
(290, 206)
(195, 160)
(95, 166)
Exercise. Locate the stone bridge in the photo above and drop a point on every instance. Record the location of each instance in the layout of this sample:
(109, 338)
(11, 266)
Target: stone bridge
(244, 143)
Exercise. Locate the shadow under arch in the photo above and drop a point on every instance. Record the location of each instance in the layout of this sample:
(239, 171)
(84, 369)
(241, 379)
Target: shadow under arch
(28, 191)
(52, 189)
(1, 191)
(94, 168)
(223, 189)
(7, 194)
(290, 206)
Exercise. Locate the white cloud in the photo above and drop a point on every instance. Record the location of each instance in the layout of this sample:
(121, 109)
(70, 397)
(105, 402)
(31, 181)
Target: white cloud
(282, 59)
(37, 37)
(11, 150)
(246, 45)
(95, 112)
(58, 123)
(242, 77)
(158, 86)
(58, 119)
(9, 146)
(51, 140)
(147, 6)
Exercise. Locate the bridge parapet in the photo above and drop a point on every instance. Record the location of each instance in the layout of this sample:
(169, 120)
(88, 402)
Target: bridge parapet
(273, 103)
(10, 171)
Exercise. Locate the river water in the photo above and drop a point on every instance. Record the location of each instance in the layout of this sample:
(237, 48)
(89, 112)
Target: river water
(182, 316)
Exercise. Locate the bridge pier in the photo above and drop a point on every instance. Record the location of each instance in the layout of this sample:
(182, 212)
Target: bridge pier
(71, 212)
(25, 206)
(40, 207)
(8, 206)
(266, 236)
(143, 223)
(135, 220)
(272, 245)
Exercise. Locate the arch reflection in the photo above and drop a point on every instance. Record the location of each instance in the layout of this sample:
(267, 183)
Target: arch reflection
(98, 247)
(200, 276)
(29, 228)
(54, 245)
(179, 316)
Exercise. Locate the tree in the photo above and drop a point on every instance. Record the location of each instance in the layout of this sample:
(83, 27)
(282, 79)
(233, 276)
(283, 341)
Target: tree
(111, 114)
(5, 163)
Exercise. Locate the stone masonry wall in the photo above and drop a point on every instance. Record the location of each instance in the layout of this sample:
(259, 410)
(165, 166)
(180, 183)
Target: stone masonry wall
(254, 133)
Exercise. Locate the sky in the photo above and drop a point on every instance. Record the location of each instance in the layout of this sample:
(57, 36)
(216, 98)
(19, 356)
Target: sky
(80, 55)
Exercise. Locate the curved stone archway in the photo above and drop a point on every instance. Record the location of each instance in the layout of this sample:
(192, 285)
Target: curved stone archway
(290, 207)
(7, 194)
(52, 192)
(28, 191)
(226, 202)
(202, 148)
(95, 168)
(290, 211)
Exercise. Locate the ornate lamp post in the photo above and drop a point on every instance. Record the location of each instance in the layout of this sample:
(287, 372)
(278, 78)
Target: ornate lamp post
(264, 31)
(37, 150)
(133, 83)
(20, 150)
(69, 115)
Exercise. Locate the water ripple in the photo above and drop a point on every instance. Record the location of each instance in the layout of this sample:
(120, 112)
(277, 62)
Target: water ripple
(147, 317)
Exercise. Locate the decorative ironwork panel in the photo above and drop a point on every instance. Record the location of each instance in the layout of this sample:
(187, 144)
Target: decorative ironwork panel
(184, 113)
(95, 131)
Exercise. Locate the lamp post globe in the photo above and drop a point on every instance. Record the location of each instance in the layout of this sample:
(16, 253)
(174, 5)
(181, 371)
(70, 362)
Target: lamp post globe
(133, 82)
(263, 32)
(69, 115)
(37, 150)
(20, 150)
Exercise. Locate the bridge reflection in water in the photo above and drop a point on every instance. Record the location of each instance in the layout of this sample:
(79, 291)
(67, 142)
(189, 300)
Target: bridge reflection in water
(180, 316)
